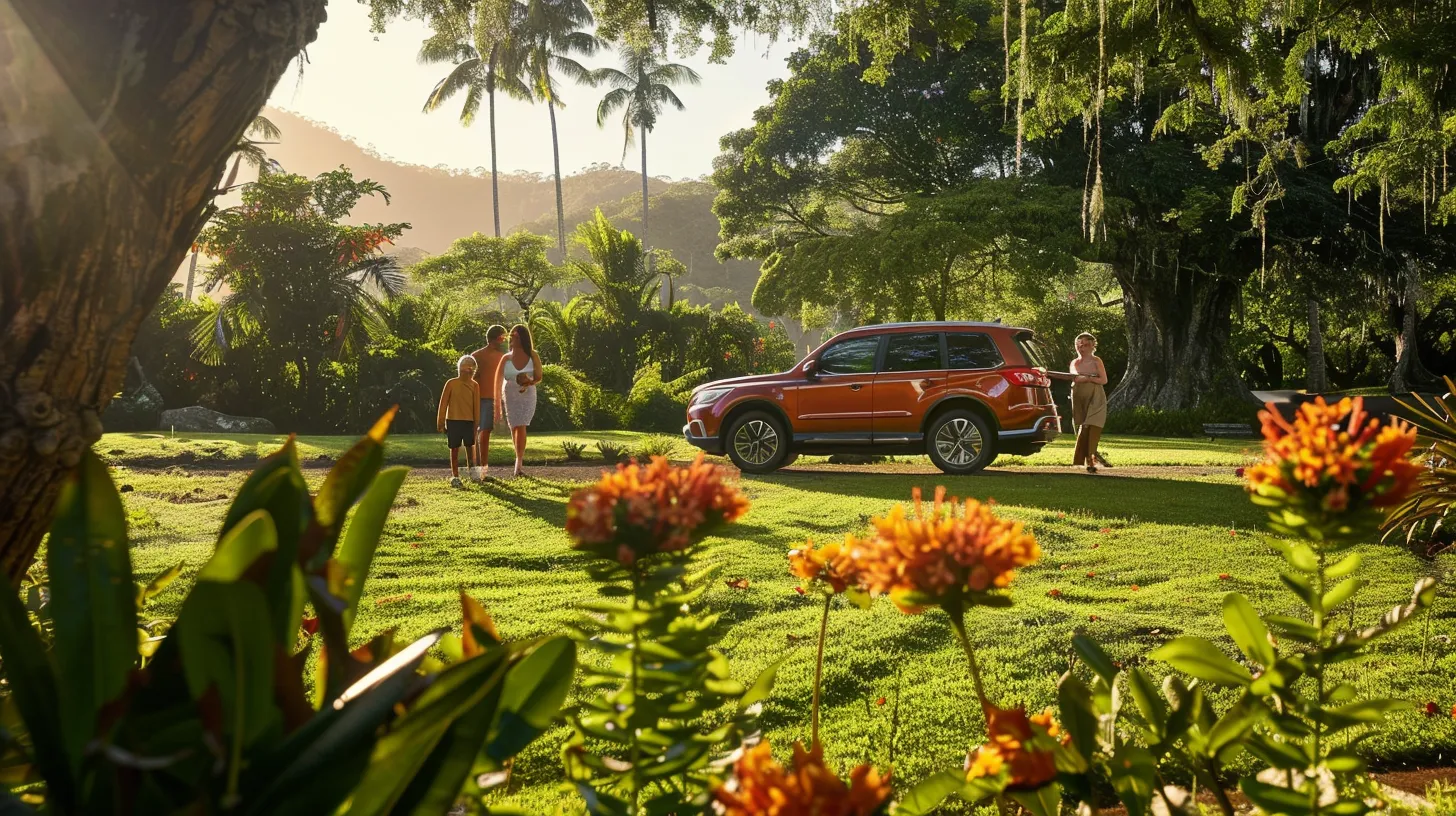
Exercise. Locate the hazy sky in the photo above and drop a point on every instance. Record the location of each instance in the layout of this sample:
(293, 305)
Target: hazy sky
(372, 90)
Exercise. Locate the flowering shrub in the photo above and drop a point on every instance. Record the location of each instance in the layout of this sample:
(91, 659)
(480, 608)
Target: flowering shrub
(762, 787)
(831, 565)
(1019, 746)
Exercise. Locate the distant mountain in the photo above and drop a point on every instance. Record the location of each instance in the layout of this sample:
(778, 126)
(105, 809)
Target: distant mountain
(443, 204)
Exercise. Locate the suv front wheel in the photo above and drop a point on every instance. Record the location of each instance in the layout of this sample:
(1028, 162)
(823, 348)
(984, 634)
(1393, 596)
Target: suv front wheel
(959, 442)
(758, 443)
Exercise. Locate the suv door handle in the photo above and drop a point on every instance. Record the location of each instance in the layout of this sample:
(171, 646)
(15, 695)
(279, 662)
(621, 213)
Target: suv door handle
(926, 385)
(856, 386)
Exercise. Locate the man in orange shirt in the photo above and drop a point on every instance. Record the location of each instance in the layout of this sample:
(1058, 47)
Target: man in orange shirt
(486, 359)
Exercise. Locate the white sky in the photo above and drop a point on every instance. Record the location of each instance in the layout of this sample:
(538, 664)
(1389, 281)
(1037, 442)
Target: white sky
(372, 91)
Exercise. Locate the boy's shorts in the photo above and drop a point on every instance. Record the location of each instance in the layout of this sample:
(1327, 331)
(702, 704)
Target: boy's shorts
(487, 415)
(460, 432)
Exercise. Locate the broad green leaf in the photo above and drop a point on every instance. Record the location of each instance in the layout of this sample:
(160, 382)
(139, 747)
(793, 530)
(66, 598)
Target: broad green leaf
(1134, 773)
(160, 582)
(1236, 724)
(361, 539)
(1200, 658)
(1342, 592)
(439, 780)
(1095, 658)
(1044, 801)
(1301, 586)
(859, 597)
(350, 477)
(1079, 716)
(1298, 554)
(223, 636)
(276, 486)
(1275, 800)
(534, 691)
(243, 544)
(927, 795)
(1148, 701)
(93, 600)
(762, 686)
(33, 687)
(1247, 629)
(1346, 566)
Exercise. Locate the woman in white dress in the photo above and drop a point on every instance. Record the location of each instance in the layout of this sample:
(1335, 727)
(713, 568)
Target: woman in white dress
(516, 377)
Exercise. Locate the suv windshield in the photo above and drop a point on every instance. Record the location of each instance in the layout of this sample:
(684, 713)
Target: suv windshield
(1033, 350)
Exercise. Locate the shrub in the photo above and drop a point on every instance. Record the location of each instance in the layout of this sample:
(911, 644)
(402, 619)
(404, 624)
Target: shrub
(573, 451)
(655, 405)
(1144, 421)
(611, 454)
(218, 715)
(657, 445)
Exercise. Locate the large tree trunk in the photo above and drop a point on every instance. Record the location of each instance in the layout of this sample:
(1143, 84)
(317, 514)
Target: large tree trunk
(556, 158)
(494, 180)
(119, 117)
(1409, 374)
(1315, 381)
(1177, 342)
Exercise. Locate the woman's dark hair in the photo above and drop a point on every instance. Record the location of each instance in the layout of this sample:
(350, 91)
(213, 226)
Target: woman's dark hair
(521, 331)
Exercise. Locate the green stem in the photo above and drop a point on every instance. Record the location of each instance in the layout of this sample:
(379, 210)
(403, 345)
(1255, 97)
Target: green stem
(819, 669)
(1318, 611)
(1224, 804)
(957, 621)
(635, 755)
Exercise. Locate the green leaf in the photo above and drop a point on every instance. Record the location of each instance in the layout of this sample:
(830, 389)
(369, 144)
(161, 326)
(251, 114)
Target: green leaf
(1133, 770)
(1247, 629)
(158, 584)
(33, 687)
(361, 539)
(242, 545)
(1044, 801)
(762, 686)
(1298, 554)
(223, 636)
(1148, 700)
(1347, 565)
(1275, 800)
(1095, 658)
(927, 795)
(1079, 716)
(1343, 591)
(347, 481)
(859, 597)
(535, 689)
(93, 600)
(1200, 658)
(1236, 724)
(1301, 586)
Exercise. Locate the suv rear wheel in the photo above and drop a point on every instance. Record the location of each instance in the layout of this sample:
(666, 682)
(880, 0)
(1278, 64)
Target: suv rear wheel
(960, 442)
(758, 443)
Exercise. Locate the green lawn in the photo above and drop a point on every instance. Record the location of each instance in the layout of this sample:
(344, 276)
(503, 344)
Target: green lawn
(1171, 535)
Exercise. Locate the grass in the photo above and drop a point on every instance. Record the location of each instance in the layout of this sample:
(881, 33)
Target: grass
(1135, 560)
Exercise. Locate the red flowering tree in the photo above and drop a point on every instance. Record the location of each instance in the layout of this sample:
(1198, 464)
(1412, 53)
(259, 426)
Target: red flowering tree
(298, 288)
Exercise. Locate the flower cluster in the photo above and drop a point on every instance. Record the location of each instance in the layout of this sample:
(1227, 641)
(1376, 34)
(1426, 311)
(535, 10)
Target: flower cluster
(1021, 745)
(762, 787)
(640, 511)
(831, 564)
(930, 555)
(1332, 462)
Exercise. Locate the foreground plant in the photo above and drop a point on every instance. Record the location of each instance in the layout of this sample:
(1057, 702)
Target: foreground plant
(760, 786)
(219, 718)
(644, 743)
(829, 570)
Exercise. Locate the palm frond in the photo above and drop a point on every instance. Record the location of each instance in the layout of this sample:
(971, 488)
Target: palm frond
(665, 95)
(461, 77)
(572, 70)
(264, 128)
(382, 271)
(438, 49)
(614, 100)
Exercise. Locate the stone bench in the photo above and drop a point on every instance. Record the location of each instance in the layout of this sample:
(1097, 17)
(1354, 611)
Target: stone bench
(1227, 430)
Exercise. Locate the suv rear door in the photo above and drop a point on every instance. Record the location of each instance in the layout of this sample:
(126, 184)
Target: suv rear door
(911, 378)
(836, 404)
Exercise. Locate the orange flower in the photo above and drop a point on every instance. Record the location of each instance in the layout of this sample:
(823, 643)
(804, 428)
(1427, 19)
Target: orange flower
(1331, 462)
(762, 787)
(830, 564)
(639, 511)
(1020, 744)
(921, 558)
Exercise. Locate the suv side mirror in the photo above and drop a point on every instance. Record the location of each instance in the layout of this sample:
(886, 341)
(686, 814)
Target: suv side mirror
(811, 369)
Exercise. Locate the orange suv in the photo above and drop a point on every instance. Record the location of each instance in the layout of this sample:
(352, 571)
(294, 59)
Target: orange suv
(961, 393)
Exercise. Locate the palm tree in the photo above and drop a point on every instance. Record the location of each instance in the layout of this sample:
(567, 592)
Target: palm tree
(458, 45)
(253, 153)
(640, 90)
(552, 32)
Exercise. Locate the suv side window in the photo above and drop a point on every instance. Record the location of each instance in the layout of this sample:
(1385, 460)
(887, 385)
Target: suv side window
(972, 351)
(1032, 349)
(853, 356)
(913, 352)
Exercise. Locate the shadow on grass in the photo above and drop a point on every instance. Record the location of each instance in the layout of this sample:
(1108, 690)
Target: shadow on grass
(534, 497)
(1160, 500)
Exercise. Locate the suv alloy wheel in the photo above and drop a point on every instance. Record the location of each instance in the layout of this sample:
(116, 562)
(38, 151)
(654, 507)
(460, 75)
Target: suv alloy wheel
(960, 442)
(758, 443)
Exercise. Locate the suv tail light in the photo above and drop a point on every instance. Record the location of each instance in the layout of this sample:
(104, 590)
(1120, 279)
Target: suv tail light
(1033, 377)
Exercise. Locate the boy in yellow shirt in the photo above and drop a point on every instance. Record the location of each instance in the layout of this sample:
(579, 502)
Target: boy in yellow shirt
(459, 414)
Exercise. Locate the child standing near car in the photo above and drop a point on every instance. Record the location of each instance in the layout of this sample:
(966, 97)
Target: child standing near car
(459, 414)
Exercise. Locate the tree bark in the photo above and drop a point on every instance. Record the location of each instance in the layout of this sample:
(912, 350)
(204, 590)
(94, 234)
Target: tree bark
(645, 245)
(119, 118)
(1316, 378)
(556, 158)
(1178, 355)
(191, 276)
(1409, 373)
(494, 180)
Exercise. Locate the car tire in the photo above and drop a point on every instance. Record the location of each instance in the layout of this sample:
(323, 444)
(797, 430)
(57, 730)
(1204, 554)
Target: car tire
(757, 442)
(960, 442)
(789, 460)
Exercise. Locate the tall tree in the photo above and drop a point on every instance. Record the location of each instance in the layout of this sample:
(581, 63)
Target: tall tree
(251, 151)
(552, 33)
(121, 115)
(479, 265)
(458, 42)
(639, 90)
(302, 285)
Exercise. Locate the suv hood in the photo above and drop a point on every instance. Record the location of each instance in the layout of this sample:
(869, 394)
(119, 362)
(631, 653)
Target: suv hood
(751, 379)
